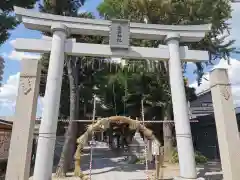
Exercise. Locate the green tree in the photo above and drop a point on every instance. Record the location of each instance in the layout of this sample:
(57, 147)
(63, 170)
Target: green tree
(7, 19)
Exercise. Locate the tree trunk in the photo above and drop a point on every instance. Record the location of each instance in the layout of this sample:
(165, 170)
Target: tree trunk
(66, 158)
(167, 127)
(168, 134)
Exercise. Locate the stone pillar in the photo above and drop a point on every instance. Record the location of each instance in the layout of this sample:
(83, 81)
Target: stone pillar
(47, 132)
(24, 120)
(180, 110)
(226, 124)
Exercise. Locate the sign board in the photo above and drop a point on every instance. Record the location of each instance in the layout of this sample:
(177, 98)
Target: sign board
(207, 104)
(120, 34)
(202, 108)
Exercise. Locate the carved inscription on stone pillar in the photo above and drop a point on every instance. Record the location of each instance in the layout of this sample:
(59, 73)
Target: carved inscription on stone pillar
(225, 92)
(26, 84)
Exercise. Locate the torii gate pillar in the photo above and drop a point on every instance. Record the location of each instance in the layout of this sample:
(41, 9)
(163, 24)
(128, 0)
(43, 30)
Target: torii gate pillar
(48, 128)
(180, 110)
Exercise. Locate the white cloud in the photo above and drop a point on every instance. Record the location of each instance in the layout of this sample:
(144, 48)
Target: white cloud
(8, 96)
(12, 42)
(15, 55)
(9, 90)
(233, 72)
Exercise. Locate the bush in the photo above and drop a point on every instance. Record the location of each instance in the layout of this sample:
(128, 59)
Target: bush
(140, 161)
(199, 158)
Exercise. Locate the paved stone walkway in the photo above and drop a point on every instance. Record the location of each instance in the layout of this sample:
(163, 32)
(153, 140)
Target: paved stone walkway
(108, 166)
(116, 169)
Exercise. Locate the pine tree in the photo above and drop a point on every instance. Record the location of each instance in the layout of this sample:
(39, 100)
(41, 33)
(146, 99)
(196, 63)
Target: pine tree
(7, 20)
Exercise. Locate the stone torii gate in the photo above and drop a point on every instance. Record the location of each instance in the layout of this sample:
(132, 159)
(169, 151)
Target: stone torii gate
(120, 32)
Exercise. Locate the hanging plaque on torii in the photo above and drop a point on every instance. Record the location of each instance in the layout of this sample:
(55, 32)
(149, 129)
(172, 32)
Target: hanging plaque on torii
(119, 34)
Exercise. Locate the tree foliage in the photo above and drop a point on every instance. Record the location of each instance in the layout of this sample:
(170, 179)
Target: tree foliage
(7, 19)
(62, 7)
(180, 12)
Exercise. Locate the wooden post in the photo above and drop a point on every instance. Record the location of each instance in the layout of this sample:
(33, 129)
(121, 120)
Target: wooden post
(19, 159)
(156, 151)
(149, 154)
(158, 166)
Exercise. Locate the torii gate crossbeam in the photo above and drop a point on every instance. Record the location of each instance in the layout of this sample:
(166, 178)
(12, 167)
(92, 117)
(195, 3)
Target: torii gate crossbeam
(43, 22)
(100, 50)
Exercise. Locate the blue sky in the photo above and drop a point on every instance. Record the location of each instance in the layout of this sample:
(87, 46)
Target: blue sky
(12, 61)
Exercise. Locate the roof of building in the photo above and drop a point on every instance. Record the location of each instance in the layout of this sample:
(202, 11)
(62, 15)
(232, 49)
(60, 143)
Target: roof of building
(237, 109)
(204, 92)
